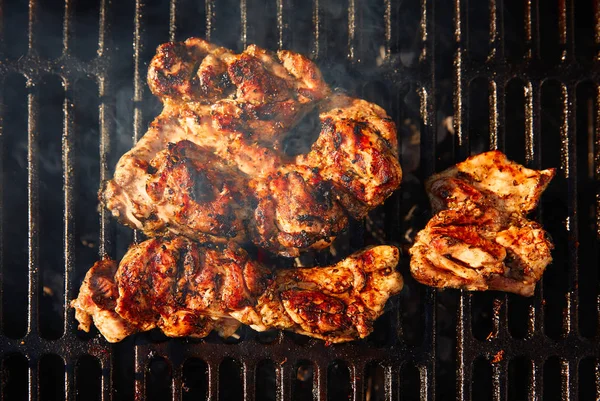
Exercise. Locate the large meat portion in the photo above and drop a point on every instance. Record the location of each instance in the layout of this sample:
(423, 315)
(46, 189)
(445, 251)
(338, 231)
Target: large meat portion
(187, 288)
(235, 115)
(480, 238)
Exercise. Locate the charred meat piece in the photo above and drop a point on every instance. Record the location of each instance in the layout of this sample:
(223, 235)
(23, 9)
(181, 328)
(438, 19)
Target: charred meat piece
(357, 152)
(490, 176)
(211, 163)
(266, 92)
(195, 193)
(296, 209)
(187, 288)
(480, 238)
(97, 301)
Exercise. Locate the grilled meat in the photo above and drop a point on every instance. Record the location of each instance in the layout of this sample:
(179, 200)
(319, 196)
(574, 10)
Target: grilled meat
(261, 93)
(357, 152)
(97, 301)
(480, 238)
(230, 113)
(187, 288)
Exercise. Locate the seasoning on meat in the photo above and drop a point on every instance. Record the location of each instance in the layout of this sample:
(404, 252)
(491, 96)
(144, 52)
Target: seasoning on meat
(187, 288)
(480, 238)
(214, 162)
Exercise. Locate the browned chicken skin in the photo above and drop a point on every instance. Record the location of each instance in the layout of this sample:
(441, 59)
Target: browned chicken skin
(233, 112)
(480, 238)
(187, 288)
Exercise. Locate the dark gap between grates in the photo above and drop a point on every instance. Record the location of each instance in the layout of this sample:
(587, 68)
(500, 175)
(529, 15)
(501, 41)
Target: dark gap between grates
(478, 23)
(515, 121)
(195, 380)
(481, 387)
(550, 32)
(519, 377)
(13, 378)
(266, 381)
(14, 21)
(482, 312)
(371, 35)
(51, 207)
(51, 377)
(230, 380)
(374, 377)
(554, 206)
(410, 382)
(261, 24)
(88, 374)
(303, 381)
(300, 25)
(588, 384)
(14, 207)
(191, 19)
(589, 252)
(158, 380)
(552, 379)
(515, 29)
(479, 116)
(48, 35)
(585, 43)
(338, 381)
(225, 29)
(406, 33)
(155, 17)
(84, 40)
(335, 41)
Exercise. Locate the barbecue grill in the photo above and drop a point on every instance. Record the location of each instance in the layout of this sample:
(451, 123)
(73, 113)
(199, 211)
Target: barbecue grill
(458, 79)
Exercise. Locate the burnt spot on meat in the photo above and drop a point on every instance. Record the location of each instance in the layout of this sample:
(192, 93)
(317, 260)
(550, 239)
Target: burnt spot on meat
(323, 194)
(202, 190)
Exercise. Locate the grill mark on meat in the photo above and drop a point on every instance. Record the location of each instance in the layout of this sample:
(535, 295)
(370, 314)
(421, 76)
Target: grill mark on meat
(240, 106)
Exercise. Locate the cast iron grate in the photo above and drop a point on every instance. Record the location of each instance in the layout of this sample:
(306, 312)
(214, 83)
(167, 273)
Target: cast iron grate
(519, 78)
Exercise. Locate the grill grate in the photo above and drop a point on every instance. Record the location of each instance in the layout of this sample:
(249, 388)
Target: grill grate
(499, 70)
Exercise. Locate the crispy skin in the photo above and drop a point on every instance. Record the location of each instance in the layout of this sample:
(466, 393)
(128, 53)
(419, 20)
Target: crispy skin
(224, 120)
(97, 300)
(265, 93)
(195, 192)
(186, 288)
(480, 238)
(296, 209)
(357, 152)
(506, 185)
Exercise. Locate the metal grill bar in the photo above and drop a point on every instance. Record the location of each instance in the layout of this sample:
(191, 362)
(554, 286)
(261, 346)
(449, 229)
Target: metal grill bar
(285, 352)
(536, 345)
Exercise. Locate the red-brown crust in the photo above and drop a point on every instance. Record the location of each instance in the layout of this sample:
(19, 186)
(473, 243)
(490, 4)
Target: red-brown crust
(226, 118)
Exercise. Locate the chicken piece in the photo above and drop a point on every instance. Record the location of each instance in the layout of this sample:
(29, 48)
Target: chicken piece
(187, 288)
(195, 193)
(506, 185)
(97, 301)
(480, 238)
(190, 71)
(296, 210)
(337, 303)
(225, 116)
(268, 93)
(284, 204)
(357, 152)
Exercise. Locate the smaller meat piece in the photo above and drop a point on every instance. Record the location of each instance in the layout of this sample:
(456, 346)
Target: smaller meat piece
(480, 238)
(187, 288)
(357, 151)
(97, 301)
